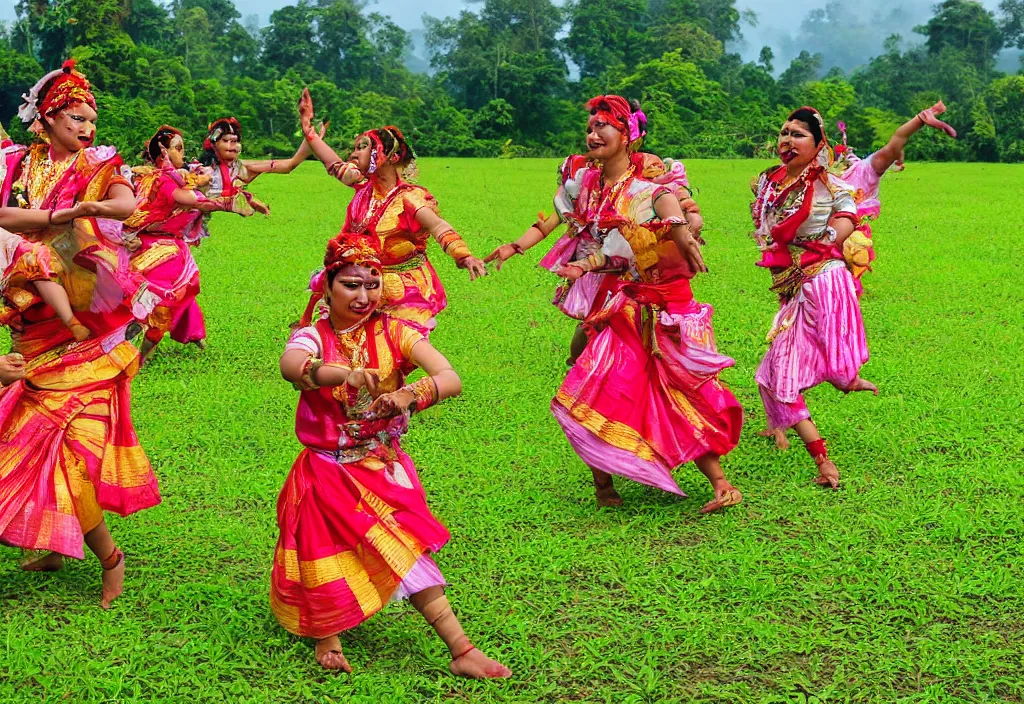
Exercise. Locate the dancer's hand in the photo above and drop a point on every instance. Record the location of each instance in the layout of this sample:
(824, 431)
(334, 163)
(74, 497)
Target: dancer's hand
(12, 368)
(88, 209)
(928, 117)
(306, 110)
(689, 249)
(570, 271)
(476, 267)
(392, 404)
(358, 378)
(501, 255)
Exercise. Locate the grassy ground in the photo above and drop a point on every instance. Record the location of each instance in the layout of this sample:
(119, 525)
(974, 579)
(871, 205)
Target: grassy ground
(905, 586)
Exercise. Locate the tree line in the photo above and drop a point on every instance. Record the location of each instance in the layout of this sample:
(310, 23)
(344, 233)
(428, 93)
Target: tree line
(510, 76)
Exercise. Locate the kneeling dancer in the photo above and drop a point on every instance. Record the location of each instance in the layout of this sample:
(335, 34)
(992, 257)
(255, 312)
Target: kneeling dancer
(355, 529)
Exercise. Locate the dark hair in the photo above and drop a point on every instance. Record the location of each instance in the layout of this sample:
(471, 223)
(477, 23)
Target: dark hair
(811, 119)
(160, 141)
(388, 137)
(209, 157)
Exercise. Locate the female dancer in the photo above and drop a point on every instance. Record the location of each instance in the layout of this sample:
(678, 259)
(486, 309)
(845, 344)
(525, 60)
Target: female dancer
(69, 448)
(861, 176)
(168, 220)
(228, 174)
(355, 529)
(401, 215)
(644, 396)
(604, 262)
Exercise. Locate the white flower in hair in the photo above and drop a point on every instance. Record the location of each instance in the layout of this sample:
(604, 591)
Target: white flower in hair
(29, 110)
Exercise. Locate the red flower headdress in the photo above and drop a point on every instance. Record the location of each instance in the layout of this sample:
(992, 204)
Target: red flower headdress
(68, 88)
(617, 112)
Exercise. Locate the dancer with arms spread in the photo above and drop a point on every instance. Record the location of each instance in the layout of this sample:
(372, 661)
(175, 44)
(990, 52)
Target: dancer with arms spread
(168, 221)
(644, 395)
(401, 215)
(355, 528)
(66, 438)
(584, 241)
(862, 177)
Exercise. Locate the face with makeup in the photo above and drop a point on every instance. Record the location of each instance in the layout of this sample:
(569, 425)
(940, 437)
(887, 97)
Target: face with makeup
(355, 293)
(361, 150)
(604, 141)
(176, 151)
(796, 145)
(73, 128)
(228, 147)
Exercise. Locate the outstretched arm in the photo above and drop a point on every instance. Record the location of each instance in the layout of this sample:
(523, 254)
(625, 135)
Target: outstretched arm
(533, 235)
(451, 242)
(282, 166)
(887, 155)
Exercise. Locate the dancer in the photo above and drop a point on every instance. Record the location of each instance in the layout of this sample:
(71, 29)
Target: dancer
(69, 450)
(401, 215)
(168, 221)
(230, 175)
(644, 396)
(585, 240)
(862, 176)
(355, 529)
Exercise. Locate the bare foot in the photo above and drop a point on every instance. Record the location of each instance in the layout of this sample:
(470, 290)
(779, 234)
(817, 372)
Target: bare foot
(50, 562)
(201, 344)
(113, 584)
(725, 495)
(781, 441)
(860, 384)
(329, 655)
(477, 666)
(607, 497)
(828, 475)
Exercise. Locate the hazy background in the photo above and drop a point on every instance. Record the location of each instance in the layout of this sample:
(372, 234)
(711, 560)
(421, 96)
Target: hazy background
(783, 25)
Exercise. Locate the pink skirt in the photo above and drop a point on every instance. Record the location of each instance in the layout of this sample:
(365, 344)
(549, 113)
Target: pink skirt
(816, 337)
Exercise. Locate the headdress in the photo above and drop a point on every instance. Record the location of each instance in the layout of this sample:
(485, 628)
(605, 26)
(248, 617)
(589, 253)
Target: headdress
(398, 152)
(617, 112)
(68, 87)
(347, 248)
(218, 128)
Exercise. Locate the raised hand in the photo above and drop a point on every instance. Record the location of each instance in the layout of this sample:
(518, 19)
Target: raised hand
(306, 109)
(928, 117)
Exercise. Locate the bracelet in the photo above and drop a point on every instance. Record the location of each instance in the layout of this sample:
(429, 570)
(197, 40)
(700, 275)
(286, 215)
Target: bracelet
(425, 393)
(310, 135)
(518, 247)
(49, 216)
(272, 163)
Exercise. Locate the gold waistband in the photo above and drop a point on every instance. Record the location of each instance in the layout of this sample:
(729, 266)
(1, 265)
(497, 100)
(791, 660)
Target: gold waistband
(414, 262)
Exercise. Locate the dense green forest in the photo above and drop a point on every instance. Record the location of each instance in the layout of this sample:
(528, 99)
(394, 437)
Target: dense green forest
(501, 84)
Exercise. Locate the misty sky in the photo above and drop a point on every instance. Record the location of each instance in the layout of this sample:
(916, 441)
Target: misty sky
(778, 20)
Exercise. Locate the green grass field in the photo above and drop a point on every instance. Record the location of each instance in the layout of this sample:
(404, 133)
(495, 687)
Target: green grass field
(905, 586)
